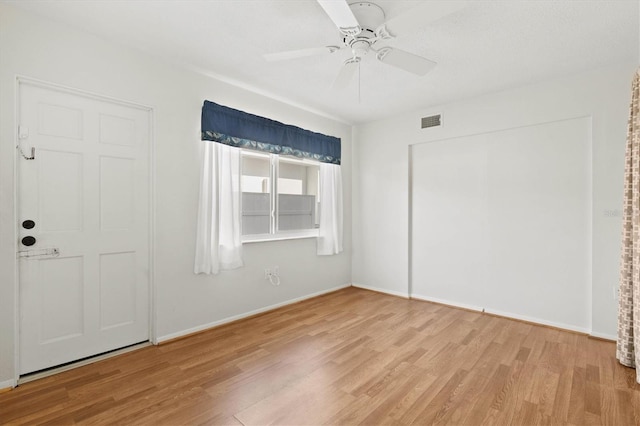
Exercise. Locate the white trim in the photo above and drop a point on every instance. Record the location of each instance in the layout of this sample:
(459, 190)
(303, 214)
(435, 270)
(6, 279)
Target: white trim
(6, 384)
(280, 236)
(213, 324)
(538, 321)
(604, 336)
(589, 308)
(502, 129)
(381, 290)
(153, 314)
(20, 80)
(446, 302)
(503, 314)
(16, 230)
(410, 219)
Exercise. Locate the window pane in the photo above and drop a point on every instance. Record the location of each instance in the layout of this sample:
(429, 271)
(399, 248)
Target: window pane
(297, 194)
(256, 193)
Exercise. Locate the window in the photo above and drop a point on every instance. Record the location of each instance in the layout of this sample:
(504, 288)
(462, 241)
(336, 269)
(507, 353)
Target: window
(279, 196)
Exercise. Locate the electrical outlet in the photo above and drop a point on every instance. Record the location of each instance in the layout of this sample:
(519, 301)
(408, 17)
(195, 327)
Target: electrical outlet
(276, 270)
(267, 273)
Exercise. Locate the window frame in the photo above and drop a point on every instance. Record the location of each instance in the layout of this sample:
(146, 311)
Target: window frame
(274, 172)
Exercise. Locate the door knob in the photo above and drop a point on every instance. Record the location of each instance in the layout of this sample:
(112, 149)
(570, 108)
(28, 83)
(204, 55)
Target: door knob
(28, 240)
(28, 224)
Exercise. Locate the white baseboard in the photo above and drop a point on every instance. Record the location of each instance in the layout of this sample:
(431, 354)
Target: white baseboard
(8, 384)
(11, 383)
(446, 302)
(381, 290)
(505, 314)
(538, 321)
(246, 314)
(604, 336)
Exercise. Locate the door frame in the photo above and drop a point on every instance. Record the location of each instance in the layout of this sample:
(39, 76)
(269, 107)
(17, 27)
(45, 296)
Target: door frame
(21, 81)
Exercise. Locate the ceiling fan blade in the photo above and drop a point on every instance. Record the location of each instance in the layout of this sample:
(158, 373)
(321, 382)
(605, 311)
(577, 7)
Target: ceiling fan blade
(346, 74)
(404, 60)
(420, 16)
(301, 53)
(341, 15)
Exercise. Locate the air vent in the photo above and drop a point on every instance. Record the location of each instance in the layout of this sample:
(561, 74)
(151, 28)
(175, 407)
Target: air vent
(431, 121)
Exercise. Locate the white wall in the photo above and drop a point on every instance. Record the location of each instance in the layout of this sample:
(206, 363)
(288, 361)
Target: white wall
(35, 47)
(380, 167)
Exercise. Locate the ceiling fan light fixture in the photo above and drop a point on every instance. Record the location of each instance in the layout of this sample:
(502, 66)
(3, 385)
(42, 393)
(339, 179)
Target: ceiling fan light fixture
(360, 48)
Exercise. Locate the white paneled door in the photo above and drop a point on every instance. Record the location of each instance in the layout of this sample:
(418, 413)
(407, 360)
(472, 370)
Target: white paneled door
(83, 214)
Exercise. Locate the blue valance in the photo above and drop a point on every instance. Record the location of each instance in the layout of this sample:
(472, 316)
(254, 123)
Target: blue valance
(243, 130)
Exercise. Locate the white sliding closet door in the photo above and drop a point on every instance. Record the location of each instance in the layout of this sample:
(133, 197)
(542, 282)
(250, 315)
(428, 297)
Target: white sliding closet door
(502, 221)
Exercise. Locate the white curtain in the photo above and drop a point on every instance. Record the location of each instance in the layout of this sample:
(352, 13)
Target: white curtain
(218, 240)
(330, 232)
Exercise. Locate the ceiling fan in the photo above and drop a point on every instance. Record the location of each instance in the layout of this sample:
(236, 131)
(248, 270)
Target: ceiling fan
(362, 26)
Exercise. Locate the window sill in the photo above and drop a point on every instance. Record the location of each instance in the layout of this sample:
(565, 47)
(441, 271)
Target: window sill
(250, 239)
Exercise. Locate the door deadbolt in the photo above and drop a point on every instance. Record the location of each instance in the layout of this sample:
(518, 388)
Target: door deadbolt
(28, 241)
(28, 224)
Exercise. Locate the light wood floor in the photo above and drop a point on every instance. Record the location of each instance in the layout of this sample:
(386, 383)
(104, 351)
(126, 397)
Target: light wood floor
(349, 357)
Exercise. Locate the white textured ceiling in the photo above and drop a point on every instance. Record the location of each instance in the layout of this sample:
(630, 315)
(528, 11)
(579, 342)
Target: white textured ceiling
(486, 46)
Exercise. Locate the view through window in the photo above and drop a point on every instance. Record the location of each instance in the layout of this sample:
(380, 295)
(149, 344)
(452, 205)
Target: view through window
(279, 194)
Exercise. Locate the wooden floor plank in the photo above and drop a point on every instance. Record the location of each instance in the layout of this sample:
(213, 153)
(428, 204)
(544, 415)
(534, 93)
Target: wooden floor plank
(349, 357)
